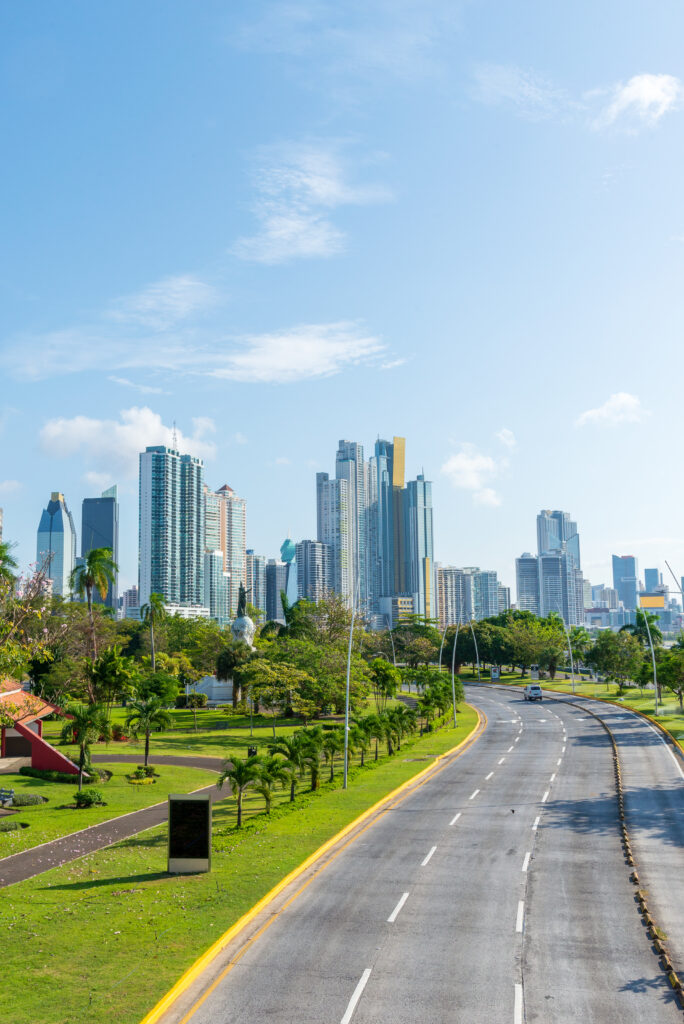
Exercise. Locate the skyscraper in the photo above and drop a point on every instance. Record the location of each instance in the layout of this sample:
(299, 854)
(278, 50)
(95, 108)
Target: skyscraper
(256, 580)
(333, 528)
(225, 530)
(351, 466)
(527, 582)
(451, 596)
(561, 584)
(313, 569)
(56, 541)
(276, 581)
(625, 580)
(419, 547)
(504, 598)
(100, 529)
(171, 527)
(652, 580)
(216, 587)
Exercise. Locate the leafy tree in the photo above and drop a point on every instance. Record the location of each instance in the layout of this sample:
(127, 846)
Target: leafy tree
(145, 715)
(618, 656)
(8, 564)
(230, 658)
(97, 571)
(85, 724)
(526, 641)
(24, 614)
(240, 775)
(671, 673)
(385, 679)
(153, 613)
(108, 677)
(552, 643)
(581, 642)
(160, 684)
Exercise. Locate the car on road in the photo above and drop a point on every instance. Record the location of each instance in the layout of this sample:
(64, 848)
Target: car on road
(533, 691)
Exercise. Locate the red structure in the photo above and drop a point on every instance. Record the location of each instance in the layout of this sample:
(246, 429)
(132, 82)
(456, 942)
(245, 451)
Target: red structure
(24, 737)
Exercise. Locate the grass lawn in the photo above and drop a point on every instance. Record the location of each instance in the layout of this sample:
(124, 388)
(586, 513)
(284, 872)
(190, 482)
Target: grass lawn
(48, 822)
(112, 932)
(670, 716)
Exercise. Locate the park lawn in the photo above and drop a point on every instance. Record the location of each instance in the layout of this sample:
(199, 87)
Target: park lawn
(112, 931)
(48, 821)
(670, 717)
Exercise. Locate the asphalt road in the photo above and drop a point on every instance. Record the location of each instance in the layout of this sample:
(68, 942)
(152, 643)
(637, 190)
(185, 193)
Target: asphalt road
(497, 892)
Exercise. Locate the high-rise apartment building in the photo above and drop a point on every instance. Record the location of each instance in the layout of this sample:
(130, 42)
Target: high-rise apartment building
(225, 530)
(333, 513)
(313, 569)
(625, 580)
(652, 580)
(217, 587)
(527, 582)
(452, 602)
(276, 582)
(485, 594)
(256, 580)
(560, 580)
(351, 466)
(419, 547)
(56, 542)
(100, 529)
(171, 528)
(504, 598)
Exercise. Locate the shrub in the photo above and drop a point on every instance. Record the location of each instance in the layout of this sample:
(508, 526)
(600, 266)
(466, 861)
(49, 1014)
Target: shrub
(135, 780)
(10, 825)
(47, 774)
(193, 700)
(118, 734)
(28, 799)
(88, 798)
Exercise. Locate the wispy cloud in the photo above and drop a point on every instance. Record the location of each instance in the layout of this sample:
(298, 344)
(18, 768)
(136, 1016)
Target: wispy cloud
(643, 100)
(144, 389)
(111, 447)
(165, 303)
(300, 353)
(507, 437)
(619, 408)
(298, 185)
(471, 470)
(392, 364)
(8, 487)
(527, 93)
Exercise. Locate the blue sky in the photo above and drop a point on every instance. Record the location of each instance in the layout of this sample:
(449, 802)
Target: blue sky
(282, 224)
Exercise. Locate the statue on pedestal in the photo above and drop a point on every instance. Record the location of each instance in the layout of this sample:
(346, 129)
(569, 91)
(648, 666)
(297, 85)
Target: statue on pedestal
(243, 628)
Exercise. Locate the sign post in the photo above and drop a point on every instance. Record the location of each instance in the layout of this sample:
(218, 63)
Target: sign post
(189, 833)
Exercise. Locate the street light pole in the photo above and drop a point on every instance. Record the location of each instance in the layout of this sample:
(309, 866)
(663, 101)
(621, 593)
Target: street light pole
(650, 641)
(441, 646)
(346, 702)
(572, 660)
(453, 677)
(477, 654)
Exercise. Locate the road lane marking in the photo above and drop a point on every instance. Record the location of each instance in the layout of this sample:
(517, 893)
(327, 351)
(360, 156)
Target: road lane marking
(552, 777)
(536, 823)
(395, 913)
(520, 917)
(357, 995)
(526, 861)
(473, 795)
(543, 719)
(545, 797)
(517, 1007)
(558, 762)
(509, 750)
(502, 760)
(516, 739)
(455, 818)
(488, 777)
(563, 750)
(423, 863)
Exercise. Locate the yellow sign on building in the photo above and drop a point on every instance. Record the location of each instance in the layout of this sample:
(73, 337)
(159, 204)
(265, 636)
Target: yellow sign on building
(651, 600)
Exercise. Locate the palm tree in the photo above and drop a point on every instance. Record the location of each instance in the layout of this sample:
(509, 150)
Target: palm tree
(143, 716)
(332, 744)
(312, 744)
(152, 613)
(272, 771)
(86, 723)
(372, 727)
(95, 571)
(7, 563)
(291, 748)
(240, 774)
(645, 621)
(358, 739)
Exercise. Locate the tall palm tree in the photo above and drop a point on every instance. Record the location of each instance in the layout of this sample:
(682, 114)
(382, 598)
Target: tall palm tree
(272, 772)
(152, 613)
(372, 727)
(358, 739)
(645, 622)
(240, 775)
(85, 724)
(143, 716)
(7, 563)
(332, 744)
(312, 745)
(96, 571)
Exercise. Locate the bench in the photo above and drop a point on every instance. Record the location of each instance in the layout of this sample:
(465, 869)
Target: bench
(6, 797)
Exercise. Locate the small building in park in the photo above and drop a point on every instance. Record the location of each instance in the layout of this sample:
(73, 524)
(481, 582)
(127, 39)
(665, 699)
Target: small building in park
(21, 729)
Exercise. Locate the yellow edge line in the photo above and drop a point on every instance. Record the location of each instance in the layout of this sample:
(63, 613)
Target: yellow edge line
(193, 972)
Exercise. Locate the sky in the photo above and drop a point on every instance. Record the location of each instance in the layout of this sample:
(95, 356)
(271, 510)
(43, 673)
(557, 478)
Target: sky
(280, 224)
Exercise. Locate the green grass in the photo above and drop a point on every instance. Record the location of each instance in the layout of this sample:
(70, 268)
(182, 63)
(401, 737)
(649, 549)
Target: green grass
(48, 821)
(670, 717)
(112, 932)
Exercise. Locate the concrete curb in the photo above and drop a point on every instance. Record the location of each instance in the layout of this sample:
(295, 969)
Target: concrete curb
(200, 965)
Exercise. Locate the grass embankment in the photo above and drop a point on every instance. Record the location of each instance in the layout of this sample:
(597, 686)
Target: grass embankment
(670, 716)
(111, 932)
(54, 819)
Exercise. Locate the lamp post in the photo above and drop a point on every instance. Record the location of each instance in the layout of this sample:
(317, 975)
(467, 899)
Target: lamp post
(346, 701)
(441, 646)
(572, 660)
(389, 629)
(650, 643)
(453, 677)
(477, 655)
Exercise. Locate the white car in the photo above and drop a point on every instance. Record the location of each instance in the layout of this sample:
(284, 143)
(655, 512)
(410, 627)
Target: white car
(533, 691)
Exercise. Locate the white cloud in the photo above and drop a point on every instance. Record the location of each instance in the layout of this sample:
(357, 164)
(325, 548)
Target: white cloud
(392, 364)
(165, 303)
(619, 408)
(297, 187)
(144, 389)
(527, 93)
(239, 438)
(10, 487)
(471, 470)
(507, 437)
(282, 460)
(111, 447)
(307, 351)
(644, 99)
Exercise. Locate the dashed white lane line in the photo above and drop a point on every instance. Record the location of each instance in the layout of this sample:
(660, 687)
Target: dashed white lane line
(517, 1006)
(424, 862)
(502, 760)
(558, 762)
(488, 777)
(473, 795)
(552, 777)
(526, 861)
(395, 913)
(543, 719)
(349, 1013)
(563, 750)
(455, 818)
(536, 823)
(545, 797)
(516, 739)
(509, 750)
(520, 917)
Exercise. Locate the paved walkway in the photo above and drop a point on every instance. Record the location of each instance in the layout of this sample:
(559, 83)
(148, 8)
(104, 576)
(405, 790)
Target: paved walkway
(28, 863)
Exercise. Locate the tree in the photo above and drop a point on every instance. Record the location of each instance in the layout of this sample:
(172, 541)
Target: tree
(385, 679)
(108, 677)
(671, 673)
(85, 724)
(618, 656)
(160, 684)
(372, 726)
(96, 571)
(526, 641)
(24, 618)
(152, 614)
(333, 743)
(272, 771)
(552, 642)
(240, 775)
(580, 641)
(312, 744)
(292, 750)
(8, 564)
(640, 629)
(145, 715)
(358, 740)
(230, 658)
